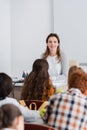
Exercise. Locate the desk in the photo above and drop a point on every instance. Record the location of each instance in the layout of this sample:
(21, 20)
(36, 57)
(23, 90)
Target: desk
(16, 93)
(60, 85)
(39, 121)
(18, 86)
(59, 82)
(17, 89)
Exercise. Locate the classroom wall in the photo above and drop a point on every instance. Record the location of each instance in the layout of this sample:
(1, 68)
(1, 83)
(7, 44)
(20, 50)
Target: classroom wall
(70, 22)
(5, 37)
(26, 25)
(30, 24)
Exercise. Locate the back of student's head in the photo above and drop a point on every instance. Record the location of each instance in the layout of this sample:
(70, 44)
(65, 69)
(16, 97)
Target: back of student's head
(5, 85)
(37, 81)
(78, 80)
(40, 68)
(72, 69)
(8, 114)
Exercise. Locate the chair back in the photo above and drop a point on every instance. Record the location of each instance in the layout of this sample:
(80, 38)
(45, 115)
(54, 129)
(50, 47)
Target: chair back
(32, 126)
(34, 104)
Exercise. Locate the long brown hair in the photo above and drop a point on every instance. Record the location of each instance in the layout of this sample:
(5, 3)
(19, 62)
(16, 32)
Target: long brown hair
(37, 81)
(46, 53)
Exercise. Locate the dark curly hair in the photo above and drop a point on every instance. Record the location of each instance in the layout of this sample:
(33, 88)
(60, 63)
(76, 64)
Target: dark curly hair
(5, 85)
(37, 81)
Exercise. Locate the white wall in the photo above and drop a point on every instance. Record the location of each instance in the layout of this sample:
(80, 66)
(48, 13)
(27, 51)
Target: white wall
(24, 25)
(5, 43)
(30, 24)
(70, 22)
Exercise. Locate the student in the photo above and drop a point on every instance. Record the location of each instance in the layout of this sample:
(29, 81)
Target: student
(37, 85)
(11, 118)
(72, 69)
(68, 110)
(57, 60)
(5, 89)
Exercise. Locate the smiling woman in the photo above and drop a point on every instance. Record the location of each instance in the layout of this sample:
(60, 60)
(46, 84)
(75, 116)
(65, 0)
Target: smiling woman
(58, 63)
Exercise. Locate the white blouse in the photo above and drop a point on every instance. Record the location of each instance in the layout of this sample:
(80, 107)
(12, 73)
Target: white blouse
(54, 66)
(58, 71)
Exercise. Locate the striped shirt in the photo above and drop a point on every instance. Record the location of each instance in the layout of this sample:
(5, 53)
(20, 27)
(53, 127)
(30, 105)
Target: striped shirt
(67, 111)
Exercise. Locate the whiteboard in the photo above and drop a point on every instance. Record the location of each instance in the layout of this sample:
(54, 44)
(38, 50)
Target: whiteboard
(70, 22)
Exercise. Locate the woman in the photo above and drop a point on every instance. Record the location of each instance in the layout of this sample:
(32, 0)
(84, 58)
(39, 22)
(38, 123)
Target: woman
(37, 85)
(5, 89)
(11, 118)
(58, 63)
